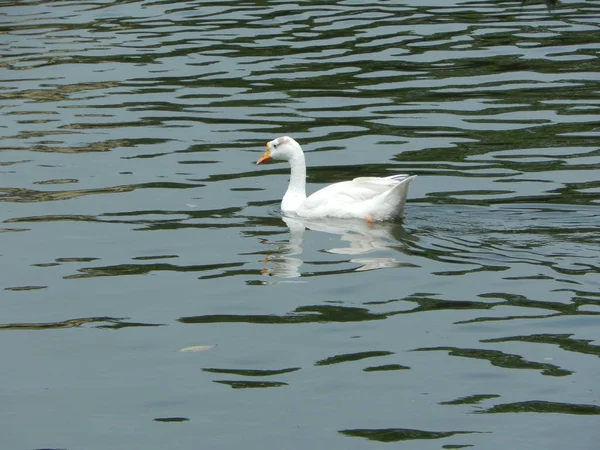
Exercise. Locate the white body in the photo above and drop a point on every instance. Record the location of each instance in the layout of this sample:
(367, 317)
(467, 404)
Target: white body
(369, 198)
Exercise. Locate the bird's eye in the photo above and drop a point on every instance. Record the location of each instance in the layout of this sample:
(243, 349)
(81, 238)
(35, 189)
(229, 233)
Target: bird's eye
(275, 145)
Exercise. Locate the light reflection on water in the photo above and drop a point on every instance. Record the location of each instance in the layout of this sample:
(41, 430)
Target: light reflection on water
(130, 202)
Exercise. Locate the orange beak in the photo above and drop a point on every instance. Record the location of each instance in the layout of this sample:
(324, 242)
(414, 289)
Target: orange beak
(266, 156)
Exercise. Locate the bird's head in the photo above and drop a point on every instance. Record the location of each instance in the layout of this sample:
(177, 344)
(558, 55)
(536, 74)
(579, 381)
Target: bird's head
(282, 148)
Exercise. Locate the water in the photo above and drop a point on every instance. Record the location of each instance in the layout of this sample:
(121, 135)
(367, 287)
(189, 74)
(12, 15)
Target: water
(153, 297)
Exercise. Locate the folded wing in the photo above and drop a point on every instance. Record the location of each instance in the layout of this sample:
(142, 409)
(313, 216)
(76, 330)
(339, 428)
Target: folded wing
(353, 192)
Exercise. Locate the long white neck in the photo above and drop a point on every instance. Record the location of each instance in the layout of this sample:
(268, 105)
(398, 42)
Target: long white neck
(296, 191)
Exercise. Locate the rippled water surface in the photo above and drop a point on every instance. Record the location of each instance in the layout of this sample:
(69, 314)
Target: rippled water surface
(153, 297)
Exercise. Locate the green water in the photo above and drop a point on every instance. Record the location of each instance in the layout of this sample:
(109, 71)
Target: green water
(153, 297)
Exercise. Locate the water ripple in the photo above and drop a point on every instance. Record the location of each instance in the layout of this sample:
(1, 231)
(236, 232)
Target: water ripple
(130, 199)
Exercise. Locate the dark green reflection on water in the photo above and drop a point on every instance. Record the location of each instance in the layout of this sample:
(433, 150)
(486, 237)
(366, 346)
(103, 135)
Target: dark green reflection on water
(25, 288)
(304, 314)
(335, 313)
(470, 400)
(563, 341)
(351, 357)
(113, 323)
(501, 359)
(252, 372)
(400, 434)
(171, 419)
(385, 368)
(21, 195)
(143, 269)
(251, 384)
(535, 406)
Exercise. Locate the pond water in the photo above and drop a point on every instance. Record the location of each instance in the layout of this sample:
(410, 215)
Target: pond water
(153, 296)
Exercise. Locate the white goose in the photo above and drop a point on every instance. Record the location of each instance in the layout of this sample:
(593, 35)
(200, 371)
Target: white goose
(369, 198)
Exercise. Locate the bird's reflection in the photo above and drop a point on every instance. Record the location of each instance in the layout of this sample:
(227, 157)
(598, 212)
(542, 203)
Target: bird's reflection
(361, 238)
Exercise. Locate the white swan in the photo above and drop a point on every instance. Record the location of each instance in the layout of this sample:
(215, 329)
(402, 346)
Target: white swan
(369, 198)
